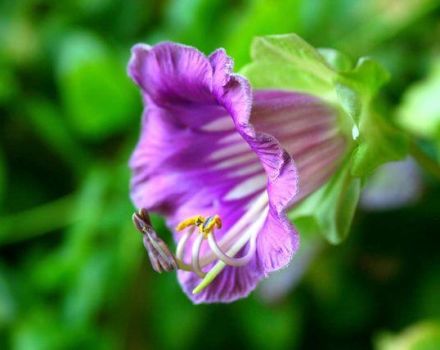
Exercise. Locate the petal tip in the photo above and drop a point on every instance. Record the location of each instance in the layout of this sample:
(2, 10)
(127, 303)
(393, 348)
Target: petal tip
(134, 64)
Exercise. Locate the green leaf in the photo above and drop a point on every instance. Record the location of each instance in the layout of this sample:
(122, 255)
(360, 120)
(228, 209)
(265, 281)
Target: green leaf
(187, 319)
(89, 288)
(419, 112)
(47, 122)
(37, 221)
(8, 302)
(286, 323)
(330, 210)
(3, 177)
(8, 83)
(421, 336)
(257, 17)
(98, 97)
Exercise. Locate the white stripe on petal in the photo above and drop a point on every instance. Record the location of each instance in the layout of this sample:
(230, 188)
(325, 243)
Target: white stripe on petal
(247, 187)
(247, 170)
(220, 124)
(231, 138)
(235, 161)
(228, 151)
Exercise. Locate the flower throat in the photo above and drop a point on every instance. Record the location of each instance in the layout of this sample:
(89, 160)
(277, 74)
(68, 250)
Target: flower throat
(243, 231)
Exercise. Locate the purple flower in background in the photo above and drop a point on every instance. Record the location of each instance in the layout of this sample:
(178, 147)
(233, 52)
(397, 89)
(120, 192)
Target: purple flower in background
(223, 163)
(393, 185)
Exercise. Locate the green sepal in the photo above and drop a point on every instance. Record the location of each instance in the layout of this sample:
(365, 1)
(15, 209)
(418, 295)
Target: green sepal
(356, 88)
(288, 62)
(379, 142)
(330, 210)
(349, 100)
(368, 75)
(338, 61)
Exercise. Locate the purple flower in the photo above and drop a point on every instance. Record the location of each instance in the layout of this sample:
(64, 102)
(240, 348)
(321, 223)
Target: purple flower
(393, 185)
(215, 159)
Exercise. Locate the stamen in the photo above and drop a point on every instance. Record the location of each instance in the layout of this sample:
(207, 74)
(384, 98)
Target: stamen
(182, 243)
(160, 256)
(249, 217)
(250, 233)
(224, 251)
(256, 208)
(196, 256)
(180, 250)
(230, 260)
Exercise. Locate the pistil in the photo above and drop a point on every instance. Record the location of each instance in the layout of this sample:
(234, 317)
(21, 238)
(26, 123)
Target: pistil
(249, 217)
(244, 231)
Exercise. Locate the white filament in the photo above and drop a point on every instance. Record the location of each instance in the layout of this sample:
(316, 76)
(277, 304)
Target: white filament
(244, 231)
(252, 231)
(255, 211)
(229, 260)
(196, 256)
(180, 251)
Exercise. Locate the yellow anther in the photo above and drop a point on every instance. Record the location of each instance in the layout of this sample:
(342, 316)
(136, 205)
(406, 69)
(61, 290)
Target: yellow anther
(205, 225)
(210, 223)
(192, 221)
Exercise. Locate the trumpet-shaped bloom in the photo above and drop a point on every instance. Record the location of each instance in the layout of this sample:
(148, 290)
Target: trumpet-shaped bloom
(223, 163)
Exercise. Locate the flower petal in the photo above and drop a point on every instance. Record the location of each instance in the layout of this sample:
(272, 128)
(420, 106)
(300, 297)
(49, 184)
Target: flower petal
(307, 128)
(198, 154)
(222, 65)
(277, 239)
(232, 284)
(170, 73)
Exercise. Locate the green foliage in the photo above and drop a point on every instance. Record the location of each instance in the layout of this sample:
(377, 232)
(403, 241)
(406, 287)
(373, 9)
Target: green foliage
(270, 326)
(330, 210)
(422, 336)
(288, 62)
(420, 109)
(2, 178)
(73, 272)
(85, 66)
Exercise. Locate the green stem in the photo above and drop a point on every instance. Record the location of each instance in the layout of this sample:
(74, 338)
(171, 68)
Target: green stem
(426, 162)
(37, 221)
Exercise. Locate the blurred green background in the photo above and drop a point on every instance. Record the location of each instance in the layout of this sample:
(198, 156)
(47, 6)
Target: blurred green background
(73, 271)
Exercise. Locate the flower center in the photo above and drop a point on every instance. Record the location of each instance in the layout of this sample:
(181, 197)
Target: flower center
(206, 228)
(201, 229)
